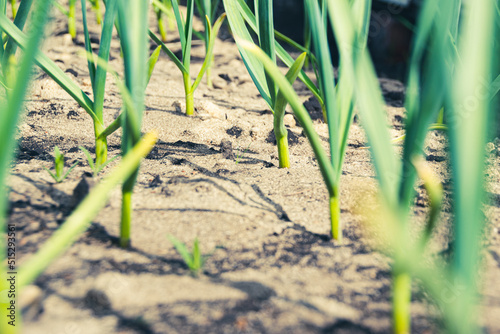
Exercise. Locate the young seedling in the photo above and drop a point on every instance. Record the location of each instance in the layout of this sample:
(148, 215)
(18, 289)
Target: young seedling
(133, 26)
(194, 260)
(81, 218)
(185, 27)
(241, 153)
(96, 169)
(97, 70)
(59, 175)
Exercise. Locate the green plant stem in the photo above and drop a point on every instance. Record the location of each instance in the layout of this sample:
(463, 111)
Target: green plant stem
(189, 94)
(209, 72)
(97, 8)
(335, 217)
(126, 219)
(283, 154)
(401, 299)
(14, 8)
(281, 134)
(71, 19)
(101, 146)
(161, 25)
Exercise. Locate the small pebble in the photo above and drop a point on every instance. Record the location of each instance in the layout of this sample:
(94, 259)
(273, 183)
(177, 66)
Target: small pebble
(49, 89)
(30, 302)
(32, 227)
(52, 225)
(178, 106)
(97, 301)
(255, 132)
(86, 82)
(289, 120)
(67, 40)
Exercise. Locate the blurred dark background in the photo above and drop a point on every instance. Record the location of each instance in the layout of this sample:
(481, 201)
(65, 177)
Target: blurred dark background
(390, 37)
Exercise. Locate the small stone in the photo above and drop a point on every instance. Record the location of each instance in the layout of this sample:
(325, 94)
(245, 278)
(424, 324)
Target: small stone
(49, 89)
(86, 82)
(52, 225)
(178, 107)
(30, 302)
(207, 108)
(255, 132)
(155, 182)
(289, 120)
(226, 148)
(32, 227)
(67, 40)
(234, 131)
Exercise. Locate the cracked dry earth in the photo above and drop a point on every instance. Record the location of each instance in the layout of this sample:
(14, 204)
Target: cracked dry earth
(272, 267)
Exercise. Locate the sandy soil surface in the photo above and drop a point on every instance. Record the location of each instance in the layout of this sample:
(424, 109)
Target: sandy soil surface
(272, 266)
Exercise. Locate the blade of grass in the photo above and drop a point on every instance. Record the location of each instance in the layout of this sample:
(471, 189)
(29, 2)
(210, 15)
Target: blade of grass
(20, 20)
(249, 19)
(326, 77)
(467, 152)
(88, 47)
(209, 53)
(280, 130)
(169, 53)
(72, 18)
(182, 250)
(100, 78)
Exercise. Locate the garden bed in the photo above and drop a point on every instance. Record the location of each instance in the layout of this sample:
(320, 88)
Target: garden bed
(272, 266)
